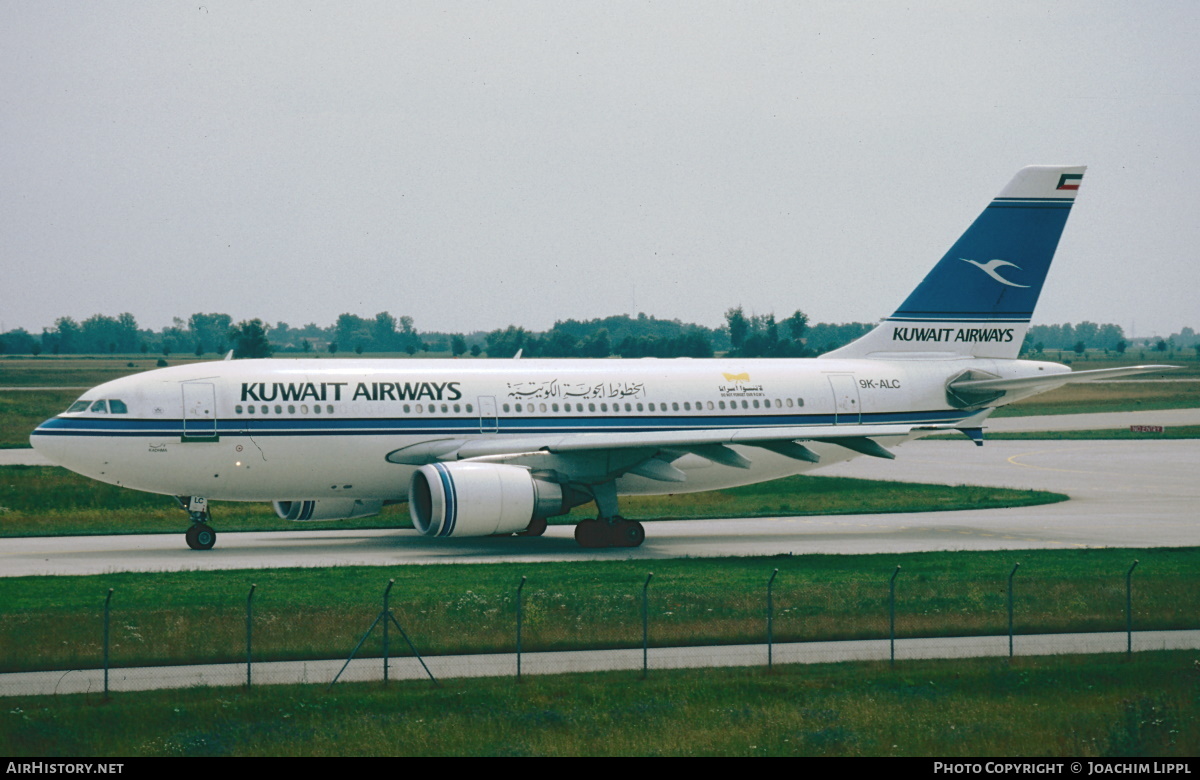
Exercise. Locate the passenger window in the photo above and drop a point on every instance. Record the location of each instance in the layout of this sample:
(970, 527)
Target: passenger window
(316, 408)
(291, 409)
(470, 408)
(639, 407)
(675, 406)
(238, 408)
(799, 402)
(591, 407)
(329, 408)
(720, 404)
(250, 409)
(554, 407)
(99, 407)
(278, 409)
(710, 406)
(457, 408)
(604, 407)
(264, 409)
(303, 408)
(445, 409)
(789, 403)
(518, 407)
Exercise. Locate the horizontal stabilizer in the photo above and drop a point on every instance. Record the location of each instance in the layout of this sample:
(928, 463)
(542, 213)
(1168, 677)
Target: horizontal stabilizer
(1051, 381)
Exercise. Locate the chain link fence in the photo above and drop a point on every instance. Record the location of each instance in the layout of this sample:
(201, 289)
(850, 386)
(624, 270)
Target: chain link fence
(127, 640)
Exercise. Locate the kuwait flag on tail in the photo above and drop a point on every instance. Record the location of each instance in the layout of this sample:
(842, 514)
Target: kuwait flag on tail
(1069, 181)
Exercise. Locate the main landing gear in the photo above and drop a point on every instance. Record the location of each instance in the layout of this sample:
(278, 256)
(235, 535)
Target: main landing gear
(200, 536)
(609, 529)
(610, 532)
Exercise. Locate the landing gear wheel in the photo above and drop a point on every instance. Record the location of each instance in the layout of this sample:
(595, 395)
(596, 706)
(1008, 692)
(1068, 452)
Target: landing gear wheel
(201, 537)
(537, 527)
(627, 533)
(591, 534)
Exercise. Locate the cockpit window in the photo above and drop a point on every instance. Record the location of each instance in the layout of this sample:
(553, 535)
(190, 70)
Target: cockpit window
(117, 406)
(79, 406)
(99, 406)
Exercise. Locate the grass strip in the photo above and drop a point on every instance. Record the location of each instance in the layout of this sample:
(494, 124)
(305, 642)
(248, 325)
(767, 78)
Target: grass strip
(52, 501)
(1077, 706)
(199, 617)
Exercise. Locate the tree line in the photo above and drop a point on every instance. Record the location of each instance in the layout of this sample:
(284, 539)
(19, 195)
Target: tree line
(742, 335)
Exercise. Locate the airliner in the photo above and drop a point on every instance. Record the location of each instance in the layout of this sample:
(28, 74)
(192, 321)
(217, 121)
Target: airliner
(496, 447)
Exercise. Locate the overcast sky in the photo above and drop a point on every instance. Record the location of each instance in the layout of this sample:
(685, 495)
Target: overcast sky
(474, 165)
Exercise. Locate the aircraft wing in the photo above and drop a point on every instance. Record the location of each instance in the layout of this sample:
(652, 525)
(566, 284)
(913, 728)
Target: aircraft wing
(649, 453)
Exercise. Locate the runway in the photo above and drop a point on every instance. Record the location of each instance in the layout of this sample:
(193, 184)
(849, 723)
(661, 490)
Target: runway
(1123, 494)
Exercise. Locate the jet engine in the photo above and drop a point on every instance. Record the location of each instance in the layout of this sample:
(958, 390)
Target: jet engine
(480, 499)
(327, 509)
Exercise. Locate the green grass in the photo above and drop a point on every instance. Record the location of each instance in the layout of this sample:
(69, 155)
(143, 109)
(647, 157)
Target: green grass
(51, 501)
(199, 617)
(1076, 706)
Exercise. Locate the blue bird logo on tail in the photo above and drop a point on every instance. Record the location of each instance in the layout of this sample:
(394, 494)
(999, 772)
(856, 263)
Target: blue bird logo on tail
(990, 267)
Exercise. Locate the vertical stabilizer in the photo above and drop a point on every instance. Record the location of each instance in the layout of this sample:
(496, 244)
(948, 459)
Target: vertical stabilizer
(978, 300)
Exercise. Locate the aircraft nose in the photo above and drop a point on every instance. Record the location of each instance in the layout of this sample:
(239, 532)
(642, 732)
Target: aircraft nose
(46, 444)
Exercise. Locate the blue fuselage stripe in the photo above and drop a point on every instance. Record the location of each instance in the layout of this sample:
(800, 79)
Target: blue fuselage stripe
(395, 426)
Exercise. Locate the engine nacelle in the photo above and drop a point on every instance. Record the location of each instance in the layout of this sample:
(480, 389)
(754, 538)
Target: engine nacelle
(327, 509)
(479, 499)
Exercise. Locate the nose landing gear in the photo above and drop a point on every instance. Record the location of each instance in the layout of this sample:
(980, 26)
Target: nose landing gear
(200, 536)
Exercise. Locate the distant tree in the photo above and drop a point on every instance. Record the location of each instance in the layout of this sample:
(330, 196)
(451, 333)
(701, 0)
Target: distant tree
(306, 345)
(505, 343)
(208, 330)
(333, 348)
(739, 327)
(797, 324)
(458, 345)
(1080, 347)
(249, 339)
(476, 350)
(1122, 345)
(1161, 346)
(358, 348)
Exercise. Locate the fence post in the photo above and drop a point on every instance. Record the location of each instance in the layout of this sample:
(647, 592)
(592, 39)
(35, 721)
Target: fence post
(892, 613)
(646, 628)
(387, 614)
(770, 621)
(1129, 609)
(519, 588)
(1011, 574)
(107, 601)
(249, 632)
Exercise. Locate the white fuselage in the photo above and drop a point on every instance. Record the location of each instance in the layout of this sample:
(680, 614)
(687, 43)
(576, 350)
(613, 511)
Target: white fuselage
(281, 429)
